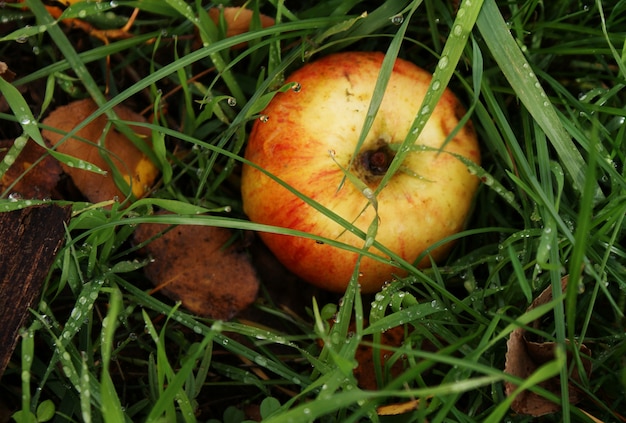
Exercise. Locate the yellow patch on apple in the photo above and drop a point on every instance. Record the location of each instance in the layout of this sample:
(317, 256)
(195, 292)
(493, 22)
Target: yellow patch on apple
(418, 207)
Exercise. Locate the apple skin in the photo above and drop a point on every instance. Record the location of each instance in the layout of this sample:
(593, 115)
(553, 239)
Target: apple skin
(327, 114)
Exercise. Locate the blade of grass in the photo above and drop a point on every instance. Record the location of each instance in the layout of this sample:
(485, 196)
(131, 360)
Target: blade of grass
(527, 87)
(450, 56)
(111, 405)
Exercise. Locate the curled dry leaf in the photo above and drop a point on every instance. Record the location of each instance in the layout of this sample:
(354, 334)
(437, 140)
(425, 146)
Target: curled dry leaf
(6, 73)
(524, 356)
(201, 267)
(138, 171)
(238, 20)
(33, 175)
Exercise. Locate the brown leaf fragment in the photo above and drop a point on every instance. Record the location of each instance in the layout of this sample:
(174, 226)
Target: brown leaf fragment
(138, 171)
(33, 175)
(6, 73)
(524, 356)
(238, 20)
(398, 408)
(364, 373)
(201, 266)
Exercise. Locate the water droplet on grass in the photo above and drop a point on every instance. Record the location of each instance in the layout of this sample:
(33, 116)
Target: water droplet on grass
(397, 19)
(232, 101)
(443, 62)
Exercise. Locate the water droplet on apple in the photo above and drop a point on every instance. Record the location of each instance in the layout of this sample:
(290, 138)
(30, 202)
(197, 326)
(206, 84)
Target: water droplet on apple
(264, 118)
(296, 87)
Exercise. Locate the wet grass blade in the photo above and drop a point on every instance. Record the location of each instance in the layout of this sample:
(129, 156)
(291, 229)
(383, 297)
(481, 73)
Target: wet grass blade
(527, 87)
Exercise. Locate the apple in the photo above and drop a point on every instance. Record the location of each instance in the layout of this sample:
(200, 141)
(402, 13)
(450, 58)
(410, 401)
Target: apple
(307, 138)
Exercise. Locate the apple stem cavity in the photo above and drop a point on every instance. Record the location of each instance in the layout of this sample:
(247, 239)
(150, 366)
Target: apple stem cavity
(375, 163)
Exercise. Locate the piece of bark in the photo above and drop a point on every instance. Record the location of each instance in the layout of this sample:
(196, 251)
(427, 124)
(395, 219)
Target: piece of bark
(201, 267)
(31, 238)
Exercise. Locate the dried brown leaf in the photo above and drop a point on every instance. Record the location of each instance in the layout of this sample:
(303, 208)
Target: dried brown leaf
(238, 20)
(136, 168)
(6, 73)
(36, 173)
(524, 356)
(201, 267)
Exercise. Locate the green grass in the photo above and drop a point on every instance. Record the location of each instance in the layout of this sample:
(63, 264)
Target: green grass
(544, 85)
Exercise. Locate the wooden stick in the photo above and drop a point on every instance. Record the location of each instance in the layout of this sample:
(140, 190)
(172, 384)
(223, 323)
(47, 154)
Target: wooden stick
(29, 241)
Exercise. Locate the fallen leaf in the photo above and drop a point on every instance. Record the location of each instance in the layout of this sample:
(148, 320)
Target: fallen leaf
(364, 372)
(138, 171)
(201, 267)
(6, 73)
(238, 20)
(33, 175)
(398, 408)
(524, 356)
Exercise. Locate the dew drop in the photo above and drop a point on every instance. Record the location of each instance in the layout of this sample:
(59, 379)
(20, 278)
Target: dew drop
(457, 30)
(296, 87)
(425, 109)
(546, 103)
(443, 62)
(113, 4)
(25, 120)
(264, 118)
(21, 39)
(436, 85)
(82, 14)
(369, 194)
(14, 196)
(397, 19)
(232, 101)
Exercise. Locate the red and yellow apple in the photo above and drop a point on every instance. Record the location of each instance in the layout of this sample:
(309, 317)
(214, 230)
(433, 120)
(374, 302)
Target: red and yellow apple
(308, 141)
